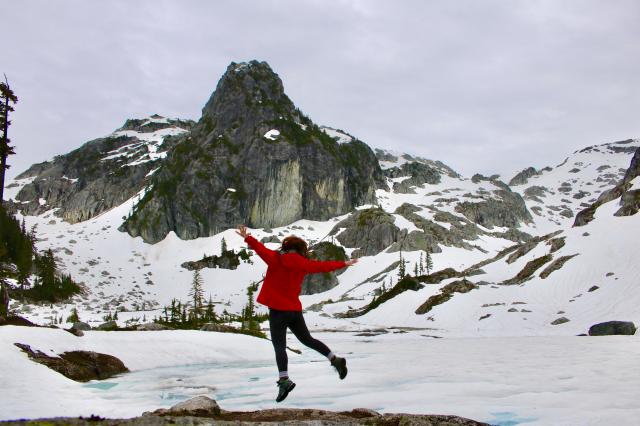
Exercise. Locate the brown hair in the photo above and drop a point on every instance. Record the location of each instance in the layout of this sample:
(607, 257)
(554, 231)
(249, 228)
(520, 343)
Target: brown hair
(297, 244)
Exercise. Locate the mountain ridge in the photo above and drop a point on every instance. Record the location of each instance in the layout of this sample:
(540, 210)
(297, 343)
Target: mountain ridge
(400, 208)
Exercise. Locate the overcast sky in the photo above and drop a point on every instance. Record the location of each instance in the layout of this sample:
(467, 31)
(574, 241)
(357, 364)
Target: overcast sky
(484, 86)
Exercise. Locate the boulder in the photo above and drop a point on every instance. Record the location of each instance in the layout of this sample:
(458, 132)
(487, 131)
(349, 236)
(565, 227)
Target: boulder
(152, 326)
(79, 325)
(560, 320)
(610, 328)
(200, 406)
(80, 366)
(270, 239)
(108, 326)
(75, 332)
(220, 328)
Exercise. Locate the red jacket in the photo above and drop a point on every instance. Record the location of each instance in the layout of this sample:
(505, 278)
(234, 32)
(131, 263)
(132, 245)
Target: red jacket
(285, 273)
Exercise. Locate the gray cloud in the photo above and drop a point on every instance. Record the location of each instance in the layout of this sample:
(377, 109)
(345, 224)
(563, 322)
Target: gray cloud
(491, 86)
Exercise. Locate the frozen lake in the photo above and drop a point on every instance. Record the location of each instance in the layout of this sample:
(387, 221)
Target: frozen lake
(502, 381)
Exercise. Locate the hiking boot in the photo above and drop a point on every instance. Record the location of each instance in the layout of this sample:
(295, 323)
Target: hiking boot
(340, 364)
(284, 387)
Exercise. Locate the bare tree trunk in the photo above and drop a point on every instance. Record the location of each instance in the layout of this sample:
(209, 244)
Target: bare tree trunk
(4, 147)
(4, 302)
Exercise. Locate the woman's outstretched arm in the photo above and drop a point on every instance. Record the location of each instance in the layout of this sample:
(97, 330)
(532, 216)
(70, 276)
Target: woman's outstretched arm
(296, 261)
(269, 256)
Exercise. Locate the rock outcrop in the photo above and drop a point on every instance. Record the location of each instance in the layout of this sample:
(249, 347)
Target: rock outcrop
(228, 259)
(503, 208)
(446, 293)
(457, 234)
(102, 173)
(407, 283)
(629, 198)
(204, 411)
(253, 158)
(80, 366)
(610, 328)
(370, 230)
(522, 177)
(418, 173)
(318, 283)
(529, 269)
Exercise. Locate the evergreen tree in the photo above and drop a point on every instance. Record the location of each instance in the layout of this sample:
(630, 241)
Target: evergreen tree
(174, 315)
(415, 270)
(402, 270)
(429, 262)
(249, 316)
(8, 97)
(421, 267)
(210, 313)
(74, 317)
(179, 312)
(47, 269)
(197, 294)
(223, 246)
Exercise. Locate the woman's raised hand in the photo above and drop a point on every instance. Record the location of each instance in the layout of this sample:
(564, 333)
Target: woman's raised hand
(351, 262)
(242, 231)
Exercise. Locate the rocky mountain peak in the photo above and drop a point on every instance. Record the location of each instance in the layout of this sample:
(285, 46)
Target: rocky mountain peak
(246, 89)
(253, 158)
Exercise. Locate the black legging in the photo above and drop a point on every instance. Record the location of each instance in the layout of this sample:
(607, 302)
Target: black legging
(278, 323)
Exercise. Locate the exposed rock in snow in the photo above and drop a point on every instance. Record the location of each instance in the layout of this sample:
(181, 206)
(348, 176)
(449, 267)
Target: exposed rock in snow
(81, 366)
(522, 177)
(613, 327)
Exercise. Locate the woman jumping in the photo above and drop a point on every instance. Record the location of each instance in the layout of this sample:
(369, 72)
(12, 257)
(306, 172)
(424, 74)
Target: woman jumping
(286, 269)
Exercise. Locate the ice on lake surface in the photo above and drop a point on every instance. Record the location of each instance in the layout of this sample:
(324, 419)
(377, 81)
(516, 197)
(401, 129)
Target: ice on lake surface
(502, 381)
(509, 419)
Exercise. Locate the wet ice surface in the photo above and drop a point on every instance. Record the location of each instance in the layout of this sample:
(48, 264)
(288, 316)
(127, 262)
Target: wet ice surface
(502, 381)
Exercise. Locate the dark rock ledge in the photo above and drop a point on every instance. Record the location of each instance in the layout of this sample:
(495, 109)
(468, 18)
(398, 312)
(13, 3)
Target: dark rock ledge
(201, 411)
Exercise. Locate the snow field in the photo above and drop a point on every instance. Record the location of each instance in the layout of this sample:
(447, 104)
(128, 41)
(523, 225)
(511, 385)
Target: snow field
(529, 380)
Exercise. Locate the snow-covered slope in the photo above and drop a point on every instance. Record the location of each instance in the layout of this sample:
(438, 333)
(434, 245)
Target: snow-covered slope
(121, 272)
(556, 194)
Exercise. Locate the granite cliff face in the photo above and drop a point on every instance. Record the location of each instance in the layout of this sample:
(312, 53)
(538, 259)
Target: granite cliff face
(253, 158)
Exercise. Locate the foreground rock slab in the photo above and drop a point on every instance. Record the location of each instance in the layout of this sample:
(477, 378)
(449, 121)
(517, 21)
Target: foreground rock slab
(201, 411)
